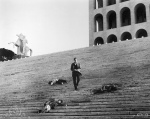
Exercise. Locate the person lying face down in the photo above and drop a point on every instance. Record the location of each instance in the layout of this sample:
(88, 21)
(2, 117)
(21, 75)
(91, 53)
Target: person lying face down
(106, 88)
(47, 107)
(57, 81)
(51, 104)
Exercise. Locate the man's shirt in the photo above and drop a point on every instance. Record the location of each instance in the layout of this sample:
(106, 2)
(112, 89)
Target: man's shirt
(75, 66)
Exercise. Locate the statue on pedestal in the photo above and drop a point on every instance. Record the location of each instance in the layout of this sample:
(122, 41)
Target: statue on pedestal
(21, 44)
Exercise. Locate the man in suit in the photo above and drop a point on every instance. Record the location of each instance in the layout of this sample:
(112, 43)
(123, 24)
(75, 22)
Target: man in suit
(75, 68)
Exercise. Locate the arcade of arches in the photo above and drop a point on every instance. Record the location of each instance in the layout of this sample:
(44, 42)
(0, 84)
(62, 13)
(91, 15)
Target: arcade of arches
(124, 36)
(125, 16)
(99, 3)
(125, 20)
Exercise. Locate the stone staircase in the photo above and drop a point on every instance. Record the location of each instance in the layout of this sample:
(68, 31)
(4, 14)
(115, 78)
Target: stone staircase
(24, 83)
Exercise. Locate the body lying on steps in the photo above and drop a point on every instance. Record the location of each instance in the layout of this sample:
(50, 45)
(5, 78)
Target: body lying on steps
(57, 81)
(51, 104)
(106, 88)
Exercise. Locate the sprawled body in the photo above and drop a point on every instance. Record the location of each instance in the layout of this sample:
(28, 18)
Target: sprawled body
(57, 81)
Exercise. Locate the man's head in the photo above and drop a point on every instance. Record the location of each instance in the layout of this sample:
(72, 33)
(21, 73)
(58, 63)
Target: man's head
(75, 60)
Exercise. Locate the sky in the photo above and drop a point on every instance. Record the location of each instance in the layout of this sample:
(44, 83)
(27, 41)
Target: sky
(49, 25)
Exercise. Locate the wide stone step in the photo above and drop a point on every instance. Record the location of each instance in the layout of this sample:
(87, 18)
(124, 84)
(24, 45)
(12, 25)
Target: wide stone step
(76, 117)
(89, 113)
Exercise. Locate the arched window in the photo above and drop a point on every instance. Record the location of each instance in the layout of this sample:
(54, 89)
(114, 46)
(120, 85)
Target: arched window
(98, 41)
(140, 13)
(141, 33)
(112, 38)
(111, 20)
(98, 23)
(111, 2)
(123, 0)
(125, 16)
(126, 36)
(98, 4)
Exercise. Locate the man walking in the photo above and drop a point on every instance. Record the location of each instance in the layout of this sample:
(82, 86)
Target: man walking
(75, 68)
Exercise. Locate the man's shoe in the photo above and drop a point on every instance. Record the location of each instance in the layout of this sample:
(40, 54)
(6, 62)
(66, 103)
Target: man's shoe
(76, 89)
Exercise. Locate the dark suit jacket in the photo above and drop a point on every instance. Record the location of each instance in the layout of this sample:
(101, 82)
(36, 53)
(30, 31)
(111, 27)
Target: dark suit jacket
(75, 66)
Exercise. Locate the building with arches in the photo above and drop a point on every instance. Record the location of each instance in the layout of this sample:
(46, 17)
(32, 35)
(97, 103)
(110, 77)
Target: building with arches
(118, 20)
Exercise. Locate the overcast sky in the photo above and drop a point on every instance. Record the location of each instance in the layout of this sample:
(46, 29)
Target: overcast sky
(49, 25)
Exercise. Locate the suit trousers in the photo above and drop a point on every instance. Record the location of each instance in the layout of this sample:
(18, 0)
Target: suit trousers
(76, 79)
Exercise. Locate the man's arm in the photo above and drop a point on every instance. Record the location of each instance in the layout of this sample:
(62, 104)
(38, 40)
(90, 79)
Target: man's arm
(72, 67)
(79, 68)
